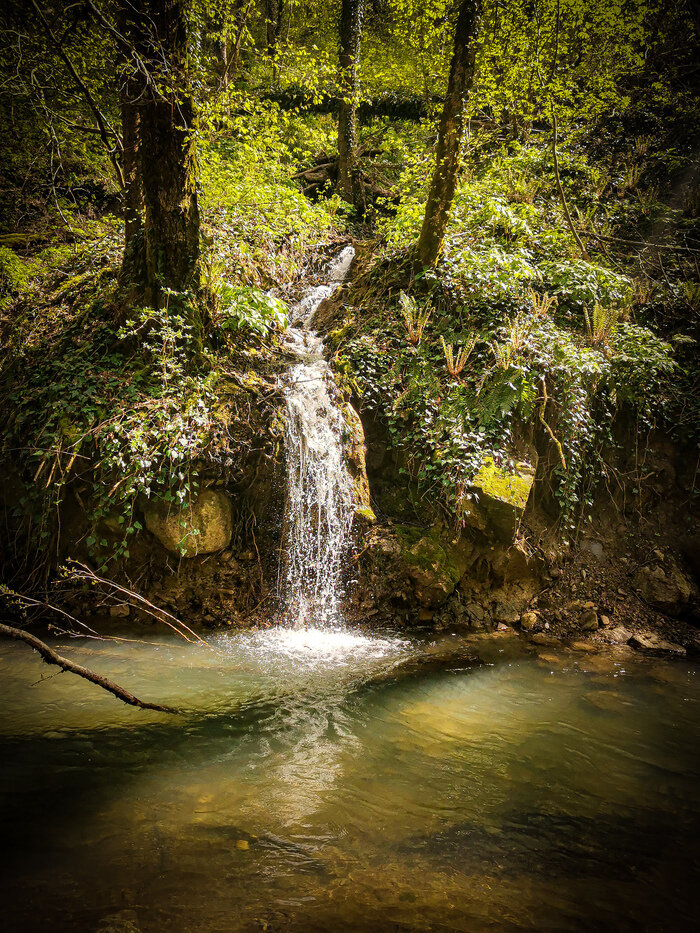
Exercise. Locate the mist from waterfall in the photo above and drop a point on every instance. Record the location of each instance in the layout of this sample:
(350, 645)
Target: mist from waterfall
(320, 501)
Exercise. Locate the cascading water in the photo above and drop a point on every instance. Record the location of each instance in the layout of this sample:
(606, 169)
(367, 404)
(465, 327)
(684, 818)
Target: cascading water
(320, 501)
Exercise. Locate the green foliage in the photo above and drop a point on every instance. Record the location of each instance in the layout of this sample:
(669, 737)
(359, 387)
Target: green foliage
(15, 276)
(245, 308)
(449, 420)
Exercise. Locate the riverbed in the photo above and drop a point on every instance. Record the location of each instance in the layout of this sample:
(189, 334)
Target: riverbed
(320, 781)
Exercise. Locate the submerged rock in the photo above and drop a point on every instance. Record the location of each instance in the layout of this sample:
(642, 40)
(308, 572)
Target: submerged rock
(202, 528)
(124, 921)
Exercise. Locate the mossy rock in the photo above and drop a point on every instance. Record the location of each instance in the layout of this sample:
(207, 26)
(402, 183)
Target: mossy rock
(201, 528)
(500, 497)
(355, 459)
(434, 562)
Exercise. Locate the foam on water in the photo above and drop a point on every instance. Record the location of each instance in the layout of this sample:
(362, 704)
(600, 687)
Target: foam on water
(317, 643)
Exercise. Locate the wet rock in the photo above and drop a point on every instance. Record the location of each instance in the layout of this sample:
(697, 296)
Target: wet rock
(528, 620)
(202, 528)
(583, 646)
(619, 635)
(664, 587)
(356, 460)
(648, 641)
(541, 639)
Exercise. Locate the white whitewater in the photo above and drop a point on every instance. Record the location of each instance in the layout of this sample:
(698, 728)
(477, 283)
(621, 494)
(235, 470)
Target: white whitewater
(320, 504)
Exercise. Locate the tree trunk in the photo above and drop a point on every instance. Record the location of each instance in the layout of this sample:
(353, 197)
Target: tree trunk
(274, 13)
(131, 90)
(351, 15)
(444, 181)
(166, 153)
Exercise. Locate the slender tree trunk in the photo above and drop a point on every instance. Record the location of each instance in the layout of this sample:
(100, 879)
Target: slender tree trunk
(131, 90)
(133, 195)
(166, 153)
(351, 16)
(444, 181)
(273, 14)
(232, 53)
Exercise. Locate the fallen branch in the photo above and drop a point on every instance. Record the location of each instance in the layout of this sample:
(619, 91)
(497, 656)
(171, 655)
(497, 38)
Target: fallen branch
(49, 656)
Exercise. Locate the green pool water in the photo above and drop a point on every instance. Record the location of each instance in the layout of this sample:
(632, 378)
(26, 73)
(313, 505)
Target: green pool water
(324, 782)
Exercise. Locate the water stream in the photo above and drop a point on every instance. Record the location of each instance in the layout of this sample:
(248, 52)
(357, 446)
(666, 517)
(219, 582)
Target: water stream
(319, 503)
(304, 789)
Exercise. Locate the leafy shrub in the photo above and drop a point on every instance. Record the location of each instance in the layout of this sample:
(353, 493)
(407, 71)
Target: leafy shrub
(244, 308)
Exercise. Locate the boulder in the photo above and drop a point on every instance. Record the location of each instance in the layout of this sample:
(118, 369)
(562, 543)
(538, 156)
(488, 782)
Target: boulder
(120, 611)
(528, 620)
(203, 527)
(648, 641)
(595, 548)
(434, 563)
(499, 497)
(664, 587)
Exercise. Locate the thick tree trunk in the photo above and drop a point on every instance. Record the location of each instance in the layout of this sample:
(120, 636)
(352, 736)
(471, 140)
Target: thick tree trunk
(444, 181)
(351, 16)
(165, 151)
(133, 195)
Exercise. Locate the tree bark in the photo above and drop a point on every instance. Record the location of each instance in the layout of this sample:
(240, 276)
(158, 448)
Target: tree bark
(444, 181)
(273, 29)
(131, 92)
(166, 156)
(351, 16)
(52, 657)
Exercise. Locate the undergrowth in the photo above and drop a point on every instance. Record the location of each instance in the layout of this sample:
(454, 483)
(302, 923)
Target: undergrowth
(556, 345)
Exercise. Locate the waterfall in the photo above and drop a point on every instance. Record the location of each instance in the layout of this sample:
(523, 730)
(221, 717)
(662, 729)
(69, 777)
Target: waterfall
(320, 501)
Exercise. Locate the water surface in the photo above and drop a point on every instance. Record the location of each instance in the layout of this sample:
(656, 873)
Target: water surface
(319, 782)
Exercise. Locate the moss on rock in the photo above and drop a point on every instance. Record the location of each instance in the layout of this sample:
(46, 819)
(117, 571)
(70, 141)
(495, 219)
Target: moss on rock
(202, 528)
(500, 498)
